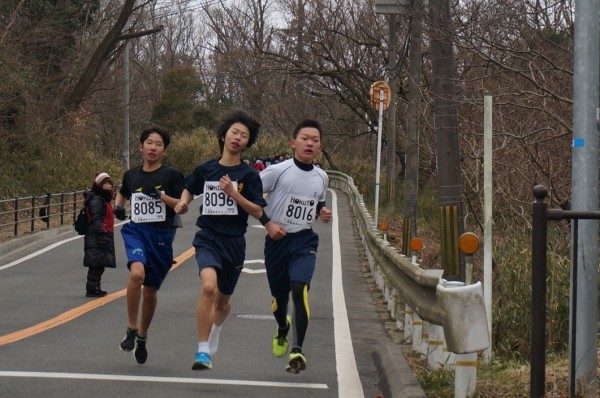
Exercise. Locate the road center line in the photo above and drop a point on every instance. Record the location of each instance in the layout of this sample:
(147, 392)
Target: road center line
(78, 311)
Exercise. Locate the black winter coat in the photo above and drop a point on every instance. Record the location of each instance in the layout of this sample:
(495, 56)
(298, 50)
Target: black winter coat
(99, 244)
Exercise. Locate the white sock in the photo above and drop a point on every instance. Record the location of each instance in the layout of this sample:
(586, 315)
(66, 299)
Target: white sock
(203, 346)
(213, 338)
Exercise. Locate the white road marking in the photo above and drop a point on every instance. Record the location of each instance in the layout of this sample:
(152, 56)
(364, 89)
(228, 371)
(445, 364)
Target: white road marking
(158, 379)
(254, 271)
(348, 378)
(254, 261)
(261, 317)
(42, 251)
(37, 253)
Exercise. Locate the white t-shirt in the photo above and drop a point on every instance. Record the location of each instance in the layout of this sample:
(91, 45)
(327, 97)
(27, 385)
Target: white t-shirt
(293, 194)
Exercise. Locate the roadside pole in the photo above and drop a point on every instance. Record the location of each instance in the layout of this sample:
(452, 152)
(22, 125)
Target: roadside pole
(487, 217)
(380, 99)
(584, 190)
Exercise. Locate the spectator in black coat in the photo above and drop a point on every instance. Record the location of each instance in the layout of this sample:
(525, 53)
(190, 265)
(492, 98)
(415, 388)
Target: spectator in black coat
(99, 243)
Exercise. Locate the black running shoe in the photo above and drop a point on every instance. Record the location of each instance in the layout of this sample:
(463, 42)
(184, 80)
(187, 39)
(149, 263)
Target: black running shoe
(297, 361)
(128, 342)
(140, 353)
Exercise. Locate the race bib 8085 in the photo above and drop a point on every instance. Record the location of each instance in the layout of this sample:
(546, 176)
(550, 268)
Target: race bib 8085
(146, 209)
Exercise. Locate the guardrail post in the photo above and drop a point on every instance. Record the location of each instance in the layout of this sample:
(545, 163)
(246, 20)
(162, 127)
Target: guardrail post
(435, 343)
(32, 213)
(417, 334)
(539, 241)
(45, 210)
(465, 375)
(408, 322)
(62, 209)
(16, 227)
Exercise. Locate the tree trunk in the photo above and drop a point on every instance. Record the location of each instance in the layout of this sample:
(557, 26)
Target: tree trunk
(106, 46)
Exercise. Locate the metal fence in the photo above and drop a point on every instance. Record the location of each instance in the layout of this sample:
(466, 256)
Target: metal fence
(23, 215)
(541, 214)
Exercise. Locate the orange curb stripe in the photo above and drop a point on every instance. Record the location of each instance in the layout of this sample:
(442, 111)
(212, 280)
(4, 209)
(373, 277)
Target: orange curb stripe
(78, 311)
(466, 363)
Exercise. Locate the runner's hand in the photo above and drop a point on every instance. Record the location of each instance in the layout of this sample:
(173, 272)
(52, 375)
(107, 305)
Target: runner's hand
(275, 231)
(120, 212)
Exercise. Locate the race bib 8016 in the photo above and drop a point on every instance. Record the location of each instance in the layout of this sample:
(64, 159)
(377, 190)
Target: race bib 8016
(299, 211)
(146, 209)
(217, 202)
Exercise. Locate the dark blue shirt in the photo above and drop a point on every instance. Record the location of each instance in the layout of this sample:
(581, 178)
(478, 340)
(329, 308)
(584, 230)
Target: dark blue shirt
(248, 184)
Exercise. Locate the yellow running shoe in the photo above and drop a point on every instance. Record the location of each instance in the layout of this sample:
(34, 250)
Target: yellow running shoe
(280, 342)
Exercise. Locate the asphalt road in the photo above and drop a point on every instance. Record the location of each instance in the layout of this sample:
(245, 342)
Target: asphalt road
(55, 342)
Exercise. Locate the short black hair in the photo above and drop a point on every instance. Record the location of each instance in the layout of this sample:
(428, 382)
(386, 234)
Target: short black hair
(164, 134)
(308, 123)
(238, 116)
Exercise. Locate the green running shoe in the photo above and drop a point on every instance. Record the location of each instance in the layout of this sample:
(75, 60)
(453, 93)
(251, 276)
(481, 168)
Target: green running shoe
(280, 342)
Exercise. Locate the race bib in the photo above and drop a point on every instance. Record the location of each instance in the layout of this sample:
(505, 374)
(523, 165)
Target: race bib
(216, 202)
(299, 211)
(146, 209)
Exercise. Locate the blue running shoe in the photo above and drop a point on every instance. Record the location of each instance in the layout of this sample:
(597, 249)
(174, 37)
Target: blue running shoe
(203, 361)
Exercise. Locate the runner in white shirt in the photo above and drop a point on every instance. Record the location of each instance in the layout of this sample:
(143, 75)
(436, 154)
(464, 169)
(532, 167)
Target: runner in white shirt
(296, 198)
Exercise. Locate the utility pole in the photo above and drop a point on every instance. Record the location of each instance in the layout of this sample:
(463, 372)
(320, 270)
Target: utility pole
(390, 169)
(583, 356)
(411, 180)
(446, 131)
(126, 103)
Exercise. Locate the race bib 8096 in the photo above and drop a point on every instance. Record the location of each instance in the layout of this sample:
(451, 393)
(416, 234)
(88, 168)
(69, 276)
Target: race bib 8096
(217, 202)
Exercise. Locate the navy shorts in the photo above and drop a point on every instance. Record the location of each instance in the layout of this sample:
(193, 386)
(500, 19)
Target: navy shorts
(292, 258)
(223, 252)
(152, 247)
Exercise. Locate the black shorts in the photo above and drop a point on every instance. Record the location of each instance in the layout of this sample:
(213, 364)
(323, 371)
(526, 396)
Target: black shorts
(225, 253)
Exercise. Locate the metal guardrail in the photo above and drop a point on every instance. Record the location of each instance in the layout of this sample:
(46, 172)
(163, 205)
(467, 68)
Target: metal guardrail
(29, 214)
(416, 286)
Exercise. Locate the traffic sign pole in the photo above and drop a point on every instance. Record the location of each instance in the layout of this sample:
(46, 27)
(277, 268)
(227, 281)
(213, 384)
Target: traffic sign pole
(378, 169)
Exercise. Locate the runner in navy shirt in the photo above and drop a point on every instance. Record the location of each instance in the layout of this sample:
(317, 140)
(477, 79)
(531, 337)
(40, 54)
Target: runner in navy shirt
(231, 190)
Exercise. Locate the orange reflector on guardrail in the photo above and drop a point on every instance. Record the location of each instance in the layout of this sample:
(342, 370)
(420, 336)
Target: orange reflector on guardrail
(468, 243)
(416, 243)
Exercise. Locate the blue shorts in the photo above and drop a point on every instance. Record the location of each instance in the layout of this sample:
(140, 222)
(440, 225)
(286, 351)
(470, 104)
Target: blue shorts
(292, 258)
(225, 253)
(152, 247)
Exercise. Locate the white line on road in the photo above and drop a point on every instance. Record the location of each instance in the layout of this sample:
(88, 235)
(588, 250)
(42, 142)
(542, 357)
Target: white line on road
(37, 253)
(348, 379)
(158, 379)
(42, 251)
(253, 271)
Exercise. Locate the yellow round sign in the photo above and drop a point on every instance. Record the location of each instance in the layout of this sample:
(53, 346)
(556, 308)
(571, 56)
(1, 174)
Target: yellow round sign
(380, 93)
